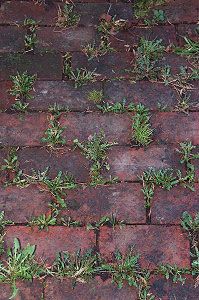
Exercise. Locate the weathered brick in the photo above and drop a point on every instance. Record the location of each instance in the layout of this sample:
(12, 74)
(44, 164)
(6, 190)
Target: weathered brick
(49, 243)
(128, 163)
(49, 92)
(117, 128)
(145, 92)
(3, 155)
(47, 66)
(12, 39)
(16, 131)
(90, 204)
(65, 40)
(194, 96)
(93, 290)
(155, 244)
(106, 66)
(6, 100)
(65, 160)
(179, 11)
(21, 204)
(27, 290)
(187, 30)
(176, 128)
(126, 39)
(166, 289)
(174, 61)
(168, 206)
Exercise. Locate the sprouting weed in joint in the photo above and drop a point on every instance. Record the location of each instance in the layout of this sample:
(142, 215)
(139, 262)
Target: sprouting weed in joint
(118, 107)
(147, 55)
(11, 162)
(110, 221)
(190, 50)
(95, 96)
(53, 134)
(142, 8)
(157, 18)
(93, 51)
(45, 220)
(66, 17)
(95, 149)
(30, 39)
(69, 222)
(142, 130)
(3, 223)
(173, 272)
(80, 76)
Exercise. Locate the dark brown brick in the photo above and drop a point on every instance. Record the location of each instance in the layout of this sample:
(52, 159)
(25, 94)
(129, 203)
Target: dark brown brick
(49, 243)
(145, 92)
(12, 39)
(175, 127)
(194, 96)
(49, 92)
(117, 128)
(17, 131)
(93, 290)
(126, 39)
(175, 62)
(155, 244)
(21, 204)
(64, 160)
(190, 31)
(27, 290)
(90, 204)
(47, 66)
(65, 40)
(168, 206)
(127, 163)
(166, 289)
(106, 66)
(6, 100)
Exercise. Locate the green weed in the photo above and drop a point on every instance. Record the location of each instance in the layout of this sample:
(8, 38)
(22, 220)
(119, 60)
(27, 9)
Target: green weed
(110, 221)
(190, 49)
(158, 17)
(11, 162)
(173, 272)
(30, 39)
(93, 51)
(95, 96)
(22, 86)
(118, 107)
(142, 7)
(66, 17)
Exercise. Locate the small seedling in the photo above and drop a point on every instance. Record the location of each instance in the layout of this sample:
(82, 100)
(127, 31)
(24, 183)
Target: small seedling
(11, 162)
(53, 135)
(69, 222)
(95, 150)
(44, 221)
(66, 17)
(30, 40)
(22, 86)
(95, 96)
(20, 264)
(110, 221)
(142, 131)
(142, 7)
(173, 272)
(147, 54)
(93, 51)
(158, 17)
(79, 267)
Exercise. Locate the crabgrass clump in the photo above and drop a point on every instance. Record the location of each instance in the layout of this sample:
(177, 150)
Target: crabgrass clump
(22, 87)
(190, 50)
(79, 267)
(110, 221)
(20, 264)
(93, 51)
(126, 269)
(147, 56)
(53, 135)
(95, 149)
(11, 162)
(80, 76)
(118, 107)
(173, 272)
(95, 96)
(66, 17)
(142, 7)
(142, 130)
(30, 39)
(44, 221)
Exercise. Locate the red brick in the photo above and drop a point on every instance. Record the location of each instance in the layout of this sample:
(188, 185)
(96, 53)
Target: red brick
(21, 204)
(174, 61)
(12, 39)
(155, 244)
(65, 94)
(90, 204)
(17, 131)
(187, 30)
(175, 127)
(105, 66)
(64, 160)
(165, 289)
(127, 163)
(6, 100)
(179, 11)
(117, 128)
(168, 206)
(25, 291)
(17, 11)
(194, 96)
(65, 40)
(49, 243)
(145, 92)
(131, 37)
(93, 290)
(47, 66)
